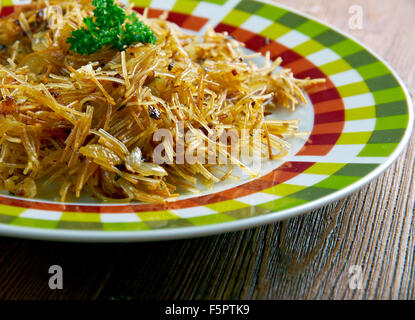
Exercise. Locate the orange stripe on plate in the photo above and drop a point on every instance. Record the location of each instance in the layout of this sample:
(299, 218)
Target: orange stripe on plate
(154, 13)
(328, 106)
(315, 150)
(300, 65)
(242, 35)
(194, 23)
(274, 48)
(331, 127)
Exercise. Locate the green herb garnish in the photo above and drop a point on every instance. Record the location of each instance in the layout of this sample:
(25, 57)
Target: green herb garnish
(109, 27)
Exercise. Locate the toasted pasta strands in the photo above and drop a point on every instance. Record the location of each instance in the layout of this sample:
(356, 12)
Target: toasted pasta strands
(87, 124)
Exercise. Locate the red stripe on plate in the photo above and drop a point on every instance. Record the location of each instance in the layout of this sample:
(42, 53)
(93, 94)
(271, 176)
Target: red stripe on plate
(295, 166)
(256, 43)
(334, 116)
(5, 11)
(326, 139)
(151, 13)
(221, 27)
(289, 56)
(313, 73)
(177, 18)
(329, 94)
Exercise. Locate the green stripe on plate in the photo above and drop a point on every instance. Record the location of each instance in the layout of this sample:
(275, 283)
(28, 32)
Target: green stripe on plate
(324, 168)
(346, 47)
(157, 215)
(360, 113)
(211, 219)
(227, 205)
(393, 122)
(389, 95)
(72, 225)
(372, 70)
(270, 12)
(236, 18)
(386, 136)
(185, 6)
(360, 58)
(142, 3)
(391, 109)
(216, 1)
(354, 137)
(335, 67)
(6, 219)
(308, 47)
(291, 20)
(34, 223)
(353, 89)
(168, 224)
(249, 6)
(247, 212)
(378, 150)
(356, 169)
(311, 28)
(312, 193)
(383, 82)
(125, 226)
(81, 217)
(329, 38)
(274, 31)
(284, 189)
(336, 182)
(11, 211)
(281, 204)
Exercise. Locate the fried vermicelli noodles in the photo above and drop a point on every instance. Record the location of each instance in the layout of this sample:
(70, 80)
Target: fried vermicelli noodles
(86, 123)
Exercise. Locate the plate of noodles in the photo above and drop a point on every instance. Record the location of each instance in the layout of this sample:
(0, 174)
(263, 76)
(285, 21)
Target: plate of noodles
(156, 120)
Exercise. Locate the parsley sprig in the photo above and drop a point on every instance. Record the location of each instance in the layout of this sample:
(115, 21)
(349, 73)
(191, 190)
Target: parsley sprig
(109, 27)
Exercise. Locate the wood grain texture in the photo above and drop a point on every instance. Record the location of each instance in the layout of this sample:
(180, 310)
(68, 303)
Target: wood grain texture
(307, 257)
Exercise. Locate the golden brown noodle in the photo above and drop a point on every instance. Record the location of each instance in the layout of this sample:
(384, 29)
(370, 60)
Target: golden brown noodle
(85, 123)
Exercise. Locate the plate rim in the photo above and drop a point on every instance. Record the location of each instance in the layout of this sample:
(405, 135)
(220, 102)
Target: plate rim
(97, 236)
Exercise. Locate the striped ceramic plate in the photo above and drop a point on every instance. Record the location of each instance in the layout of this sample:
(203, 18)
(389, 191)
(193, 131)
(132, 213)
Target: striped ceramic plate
(360, 120)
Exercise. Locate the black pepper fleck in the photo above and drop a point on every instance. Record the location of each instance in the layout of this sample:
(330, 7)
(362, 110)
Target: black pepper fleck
(171, 65)
(120, 167)
(154, 112)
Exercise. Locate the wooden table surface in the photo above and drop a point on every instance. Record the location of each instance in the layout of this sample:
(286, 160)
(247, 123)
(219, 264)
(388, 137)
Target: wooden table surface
(308, 257)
